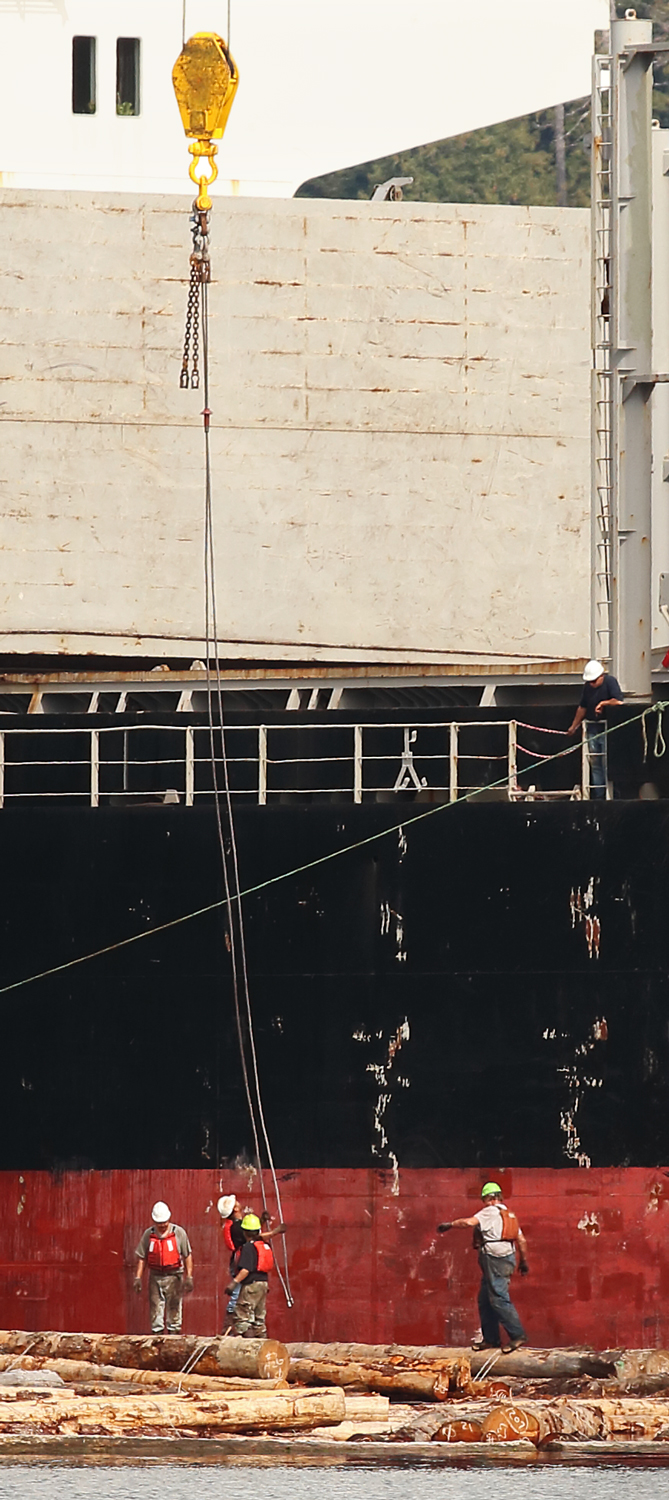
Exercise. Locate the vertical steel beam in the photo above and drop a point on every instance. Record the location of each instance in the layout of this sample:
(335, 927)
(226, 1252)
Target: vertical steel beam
(357, 763)
(601, 376)
(513, 760)
(262, 765)
(660, 405)
(631, 340)
(95, 767)
(190, 766)
(453, 761)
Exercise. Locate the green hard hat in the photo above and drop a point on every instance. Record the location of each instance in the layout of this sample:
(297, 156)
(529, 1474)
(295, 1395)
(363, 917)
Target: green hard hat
(489, 1188)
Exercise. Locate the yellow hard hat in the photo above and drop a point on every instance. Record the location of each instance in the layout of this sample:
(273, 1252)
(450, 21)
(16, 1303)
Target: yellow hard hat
(250, 1221)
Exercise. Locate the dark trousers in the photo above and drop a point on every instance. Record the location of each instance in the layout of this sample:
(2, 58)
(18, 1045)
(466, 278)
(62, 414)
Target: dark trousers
(495, 1305)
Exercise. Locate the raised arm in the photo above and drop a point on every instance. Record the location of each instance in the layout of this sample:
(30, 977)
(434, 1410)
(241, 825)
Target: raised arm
(457, 1224)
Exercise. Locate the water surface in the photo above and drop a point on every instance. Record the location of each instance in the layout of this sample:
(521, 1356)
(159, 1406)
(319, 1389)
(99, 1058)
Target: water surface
(266, 1482)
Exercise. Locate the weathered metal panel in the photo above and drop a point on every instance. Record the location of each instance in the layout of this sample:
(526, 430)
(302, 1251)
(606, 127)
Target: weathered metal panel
(365, 1261)
(400, 439)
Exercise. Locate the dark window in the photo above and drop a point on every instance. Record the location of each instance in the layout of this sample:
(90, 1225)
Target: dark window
(83, 75)
(127, 75)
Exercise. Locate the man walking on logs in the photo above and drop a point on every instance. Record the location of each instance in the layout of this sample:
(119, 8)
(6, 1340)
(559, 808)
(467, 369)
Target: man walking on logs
(496, 1234)
(166, 1248)
(253, 1264)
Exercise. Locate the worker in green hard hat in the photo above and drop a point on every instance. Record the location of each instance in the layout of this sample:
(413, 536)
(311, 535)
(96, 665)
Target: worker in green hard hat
(496, 1235)
(254, 1262)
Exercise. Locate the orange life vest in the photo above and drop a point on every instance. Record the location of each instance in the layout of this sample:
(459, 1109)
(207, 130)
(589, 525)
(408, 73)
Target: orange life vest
(510, 1225)
(163, 1252)
(264, 1254)
(227, 1236)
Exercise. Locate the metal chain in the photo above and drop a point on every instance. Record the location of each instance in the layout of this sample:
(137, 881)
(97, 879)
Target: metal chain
(200, 271)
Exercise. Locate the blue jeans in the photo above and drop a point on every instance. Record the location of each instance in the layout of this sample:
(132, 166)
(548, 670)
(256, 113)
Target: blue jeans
(597, 753)
(234, 1299)
(495, 1305)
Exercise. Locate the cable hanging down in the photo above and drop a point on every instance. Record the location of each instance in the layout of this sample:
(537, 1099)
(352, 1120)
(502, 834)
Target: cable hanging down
(223, 801)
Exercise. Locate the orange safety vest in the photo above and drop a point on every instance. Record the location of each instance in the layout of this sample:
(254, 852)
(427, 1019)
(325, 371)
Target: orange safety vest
(264, 1254)
(163, 1253)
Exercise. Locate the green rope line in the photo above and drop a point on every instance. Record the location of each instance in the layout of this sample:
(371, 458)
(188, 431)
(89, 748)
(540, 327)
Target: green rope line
(322, 859)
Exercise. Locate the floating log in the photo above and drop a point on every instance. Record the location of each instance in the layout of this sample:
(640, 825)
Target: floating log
(239, 1411)
(77, 1371)
(605, 1420)
(256, 1359)
(506, 1424)
(458, 1432)
(530, 1363)
(433, 1382)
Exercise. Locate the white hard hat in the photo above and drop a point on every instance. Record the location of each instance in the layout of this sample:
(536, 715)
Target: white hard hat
(160, 1213)
(225, 1205)
(593, 670)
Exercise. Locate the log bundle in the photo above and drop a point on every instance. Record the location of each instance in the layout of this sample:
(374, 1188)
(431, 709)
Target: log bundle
(99, 1385)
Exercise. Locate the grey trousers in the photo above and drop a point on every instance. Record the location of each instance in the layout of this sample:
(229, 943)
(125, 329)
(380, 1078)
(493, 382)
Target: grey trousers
(250, 1311)
(165, 1303)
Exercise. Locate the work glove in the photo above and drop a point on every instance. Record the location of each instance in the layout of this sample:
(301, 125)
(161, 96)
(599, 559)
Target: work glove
(441, 1228)
(524, 1268)
(187, 1285)
(137, 1283)
(231, 1288)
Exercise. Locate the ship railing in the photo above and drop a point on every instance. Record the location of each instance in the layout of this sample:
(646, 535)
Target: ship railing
(383, 762)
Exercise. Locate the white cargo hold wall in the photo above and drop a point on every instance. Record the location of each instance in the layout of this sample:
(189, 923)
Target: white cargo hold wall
(400, 430)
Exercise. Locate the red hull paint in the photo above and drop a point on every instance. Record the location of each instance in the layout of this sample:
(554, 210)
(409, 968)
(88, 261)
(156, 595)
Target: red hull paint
(365, 1262)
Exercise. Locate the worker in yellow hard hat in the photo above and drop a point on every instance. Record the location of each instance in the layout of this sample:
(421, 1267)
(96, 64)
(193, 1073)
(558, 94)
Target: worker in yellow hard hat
(496, 1235)
(254, 1262)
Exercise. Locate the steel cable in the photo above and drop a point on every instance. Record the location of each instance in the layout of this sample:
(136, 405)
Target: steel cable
(231, 875)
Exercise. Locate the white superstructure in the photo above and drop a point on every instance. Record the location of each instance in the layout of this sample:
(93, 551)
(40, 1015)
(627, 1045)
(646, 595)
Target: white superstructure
(400, 398)
(324, 84)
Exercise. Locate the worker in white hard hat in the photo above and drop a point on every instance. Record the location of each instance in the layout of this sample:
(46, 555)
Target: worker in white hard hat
(600, 691)
(166, 1249)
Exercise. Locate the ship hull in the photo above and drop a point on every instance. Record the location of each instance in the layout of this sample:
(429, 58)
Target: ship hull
(481, 992)
(365, 1261)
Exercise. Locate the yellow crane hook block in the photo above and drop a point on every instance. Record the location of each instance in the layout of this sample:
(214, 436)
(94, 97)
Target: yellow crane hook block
(205, 80)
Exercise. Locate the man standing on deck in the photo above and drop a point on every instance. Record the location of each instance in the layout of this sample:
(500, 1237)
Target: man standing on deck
(166, 1247)
(254, 1262)
(496, 1233)
(600, 691)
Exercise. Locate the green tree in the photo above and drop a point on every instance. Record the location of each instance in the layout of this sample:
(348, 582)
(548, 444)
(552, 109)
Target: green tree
(513, 162)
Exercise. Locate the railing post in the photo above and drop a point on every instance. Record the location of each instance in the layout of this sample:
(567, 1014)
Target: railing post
(453, 761)
(95, 767)
(190, 766)
(262, 765)
(585, 766)
(2, 767)
(513, 759)
(357, 763)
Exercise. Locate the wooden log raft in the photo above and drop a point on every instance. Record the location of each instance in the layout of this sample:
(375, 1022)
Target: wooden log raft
(305, 1360)
(77, 1371)
(239, 1411)
(256, 1359)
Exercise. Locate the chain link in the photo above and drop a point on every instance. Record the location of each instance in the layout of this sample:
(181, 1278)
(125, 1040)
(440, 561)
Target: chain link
(200, 270)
